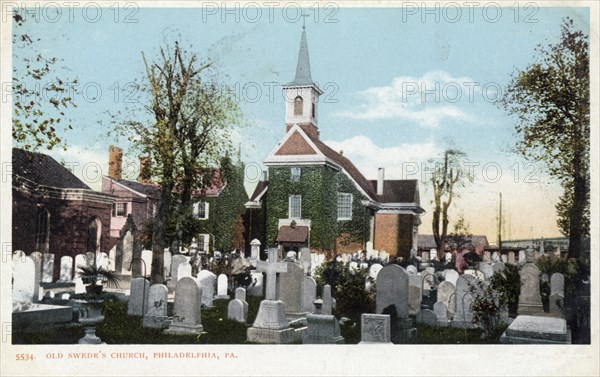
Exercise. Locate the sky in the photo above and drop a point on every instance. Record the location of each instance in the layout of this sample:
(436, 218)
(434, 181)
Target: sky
(400, 86)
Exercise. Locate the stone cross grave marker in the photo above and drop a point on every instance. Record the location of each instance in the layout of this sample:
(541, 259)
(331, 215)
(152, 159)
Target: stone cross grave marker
(271, 268)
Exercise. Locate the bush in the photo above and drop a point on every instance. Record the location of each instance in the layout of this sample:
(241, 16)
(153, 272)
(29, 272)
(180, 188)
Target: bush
(508, 284)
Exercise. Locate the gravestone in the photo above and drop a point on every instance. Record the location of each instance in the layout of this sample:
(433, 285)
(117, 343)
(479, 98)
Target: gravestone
(486, 256)
(375, 328)
(309, 294)
(271, 324)
(530, 300)
(167, 260)
(495, 256)
(425, 256)
(557, 294)
(448, 257)
(184, 270)
(80, 261)
(428, 281)
(521, 256)
(66, 269)
(138, 296)
(305, 261)
(208, 281)
(446, 294)
(486, 269)
(127, 247)
(23, 289)
(374, 270)
(498, 266)
(187, 315)
(103, 261)
(48, 268)
(289, 288)
(411, 269)
(476, 273)
(526, 329)
(504, 258)
(451, 276)
(463, 315)
(322, 329)
(392, 289)
(427, 316)
(384, 255)
(256, 288)
(235, 311)
(222, 284)
(147, 264)
(240, 294)
(156, 307)
(511, 257)
(175, 262)
(37, 258)
(353, 267)
(441, 312)
(415, 293)
(327, 300)
(254, 252)
(112, 259)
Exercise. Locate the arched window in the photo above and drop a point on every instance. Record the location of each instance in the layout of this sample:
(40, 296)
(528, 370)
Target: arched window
(42, 234)
(313, 110)
(298, 103)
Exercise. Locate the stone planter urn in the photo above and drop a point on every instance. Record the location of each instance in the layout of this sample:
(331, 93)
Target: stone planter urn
(90, 315)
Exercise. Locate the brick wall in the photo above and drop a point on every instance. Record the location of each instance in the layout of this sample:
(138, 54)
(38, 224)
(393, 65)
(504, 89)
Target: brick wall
(393, 233)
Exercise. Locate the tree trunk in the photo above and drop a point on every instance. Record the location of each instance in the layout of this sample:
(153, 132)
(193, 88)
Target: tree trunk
(159, 241)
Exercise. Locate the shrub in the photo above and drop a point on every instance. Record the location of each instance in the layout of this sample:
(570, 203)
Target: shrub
(508, 284)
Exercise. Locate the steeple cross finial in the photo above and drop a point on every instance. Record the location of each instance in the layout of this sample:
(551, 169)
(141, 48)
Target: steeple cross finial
(304, 15)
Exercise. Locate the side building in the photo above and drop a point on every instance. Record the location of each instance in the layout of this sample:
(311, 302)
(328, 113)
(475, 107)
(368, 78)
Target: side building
(54, 211)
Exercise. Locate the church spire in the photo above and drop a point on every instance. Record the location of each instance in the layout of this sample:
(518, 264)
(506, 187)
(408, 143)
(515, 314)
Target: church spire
(303, 76)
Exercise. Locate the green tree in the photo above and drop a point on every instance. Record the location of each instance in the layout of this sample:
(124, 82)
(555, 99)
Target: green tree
(447, 177)
(40, 97)
(188, 131)
(551, 101)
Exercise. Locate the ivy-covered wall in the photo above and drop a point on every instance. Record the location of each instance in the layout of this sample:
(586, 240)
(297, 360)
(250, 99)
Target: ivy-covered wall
(318, 185)
(225, 213)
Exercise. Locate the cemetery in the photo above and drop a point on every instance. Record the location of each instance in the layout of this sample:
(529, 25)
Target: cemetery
(361, 298)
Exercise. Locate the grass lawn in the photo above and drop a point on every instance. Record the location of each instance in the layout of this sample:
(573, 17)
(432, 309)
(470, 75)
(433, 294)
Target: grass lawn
(120, 328)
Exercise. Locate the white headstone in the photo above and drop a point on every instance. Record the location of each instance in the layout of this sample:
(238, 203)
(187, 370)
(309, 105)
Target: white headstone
(327, 300)
(66, 269)
(557, 284)
(464, 299)
(440, 310)
(309, 294)
(80, 261)
(486, 269)
(290, 288)
(522, 258)
(504, 258)
(511, 257)
(236, 311)
(305, 261)
(112, 258)
(222, 284)
(446, 294)
(530, 300)
(425, 256)
(48, 268)
(147, 258)
(102, 260)
(175, 262)
(411, 269)
(79, 286)
(23, 279)
(451, 276)
(495, 256)
(184, 270)
(208, 281)
(156, 307)
(167, 260)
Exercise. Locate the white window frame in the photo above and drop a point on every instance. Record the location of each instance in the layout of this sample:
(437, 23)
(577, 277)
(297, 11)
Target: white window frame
(344, 206)
(295, 173)
(292, 197)
(116, 210)
(196, 210)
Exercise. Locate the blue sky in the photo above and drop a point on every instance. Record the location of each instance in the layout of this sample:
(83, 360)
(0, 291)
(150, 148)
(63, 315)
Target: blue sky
(371, 64)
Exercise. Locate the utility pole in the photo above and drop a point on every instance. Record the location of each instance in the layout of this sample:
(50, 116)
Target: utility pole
(499, 223)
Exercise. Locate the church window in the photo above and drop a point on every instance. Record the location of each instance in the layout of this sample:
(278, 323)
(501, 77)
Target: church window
(41, 231)
(119, 210)
(298, 104)
(295, 207)
(344, 206)
(313, 110)
(295, 173)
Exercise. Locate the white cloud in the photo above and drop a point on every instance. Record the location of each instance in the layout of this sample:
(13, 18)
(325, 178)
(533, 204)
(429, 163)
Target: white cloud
(426, 100)
(397, 160)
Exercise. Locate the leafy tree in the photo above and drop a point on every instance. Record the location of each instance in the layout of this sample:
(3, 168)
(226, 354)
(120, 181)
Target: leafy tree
(40, 97)
(189, 131)
(446, 179)
(551, 101)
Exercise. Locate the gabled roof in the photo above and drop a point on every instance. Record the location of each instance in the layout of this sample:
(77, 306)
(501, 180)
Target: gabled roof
(397, 191)
(44, 170)
(150, 190)
(259, 191)
(296, 234)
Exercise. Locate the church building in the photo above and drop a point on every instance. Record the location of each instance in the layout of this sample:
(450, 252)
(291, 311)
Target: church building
(315, 197)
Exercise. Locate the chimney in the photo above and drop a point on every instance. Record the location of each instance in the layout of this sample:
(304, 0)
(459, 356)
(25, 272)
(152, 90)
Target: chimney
(380, 178)
(265, 178)
(115, 162)
(145, 175)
